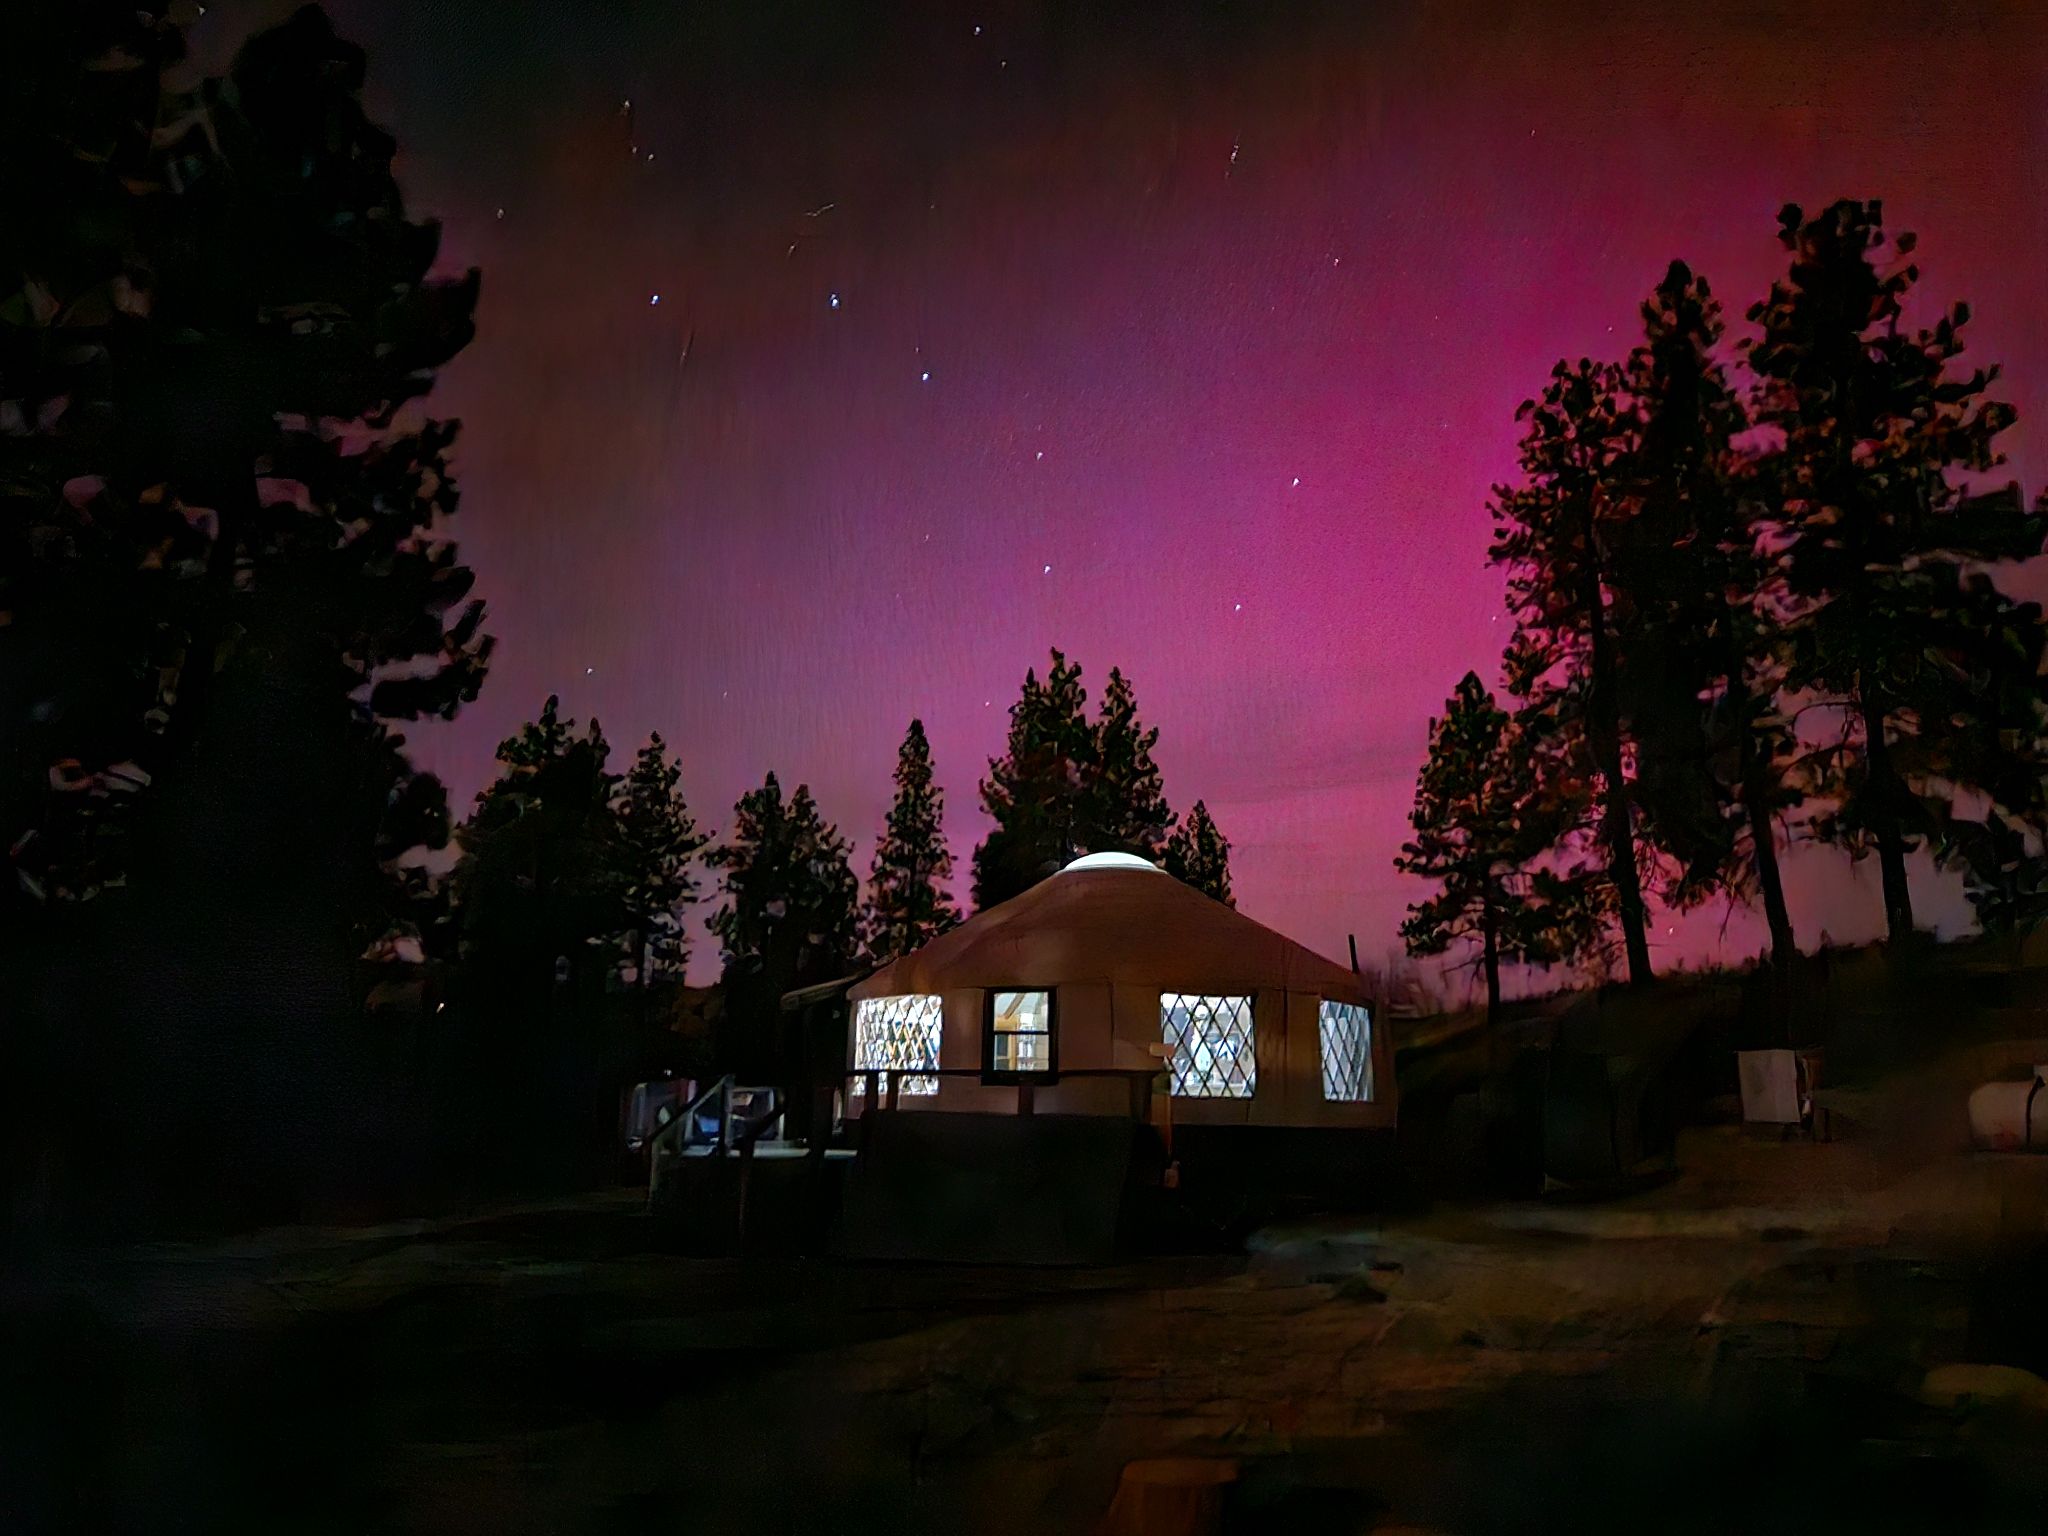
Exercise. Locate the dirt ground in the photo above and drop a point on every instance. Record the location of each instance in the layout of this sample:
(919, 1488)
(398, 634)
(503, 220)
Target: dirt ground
(1742, 1348)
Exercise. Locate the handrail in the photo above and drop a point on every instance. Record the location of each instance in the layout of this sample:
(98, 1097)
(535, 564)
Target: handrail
(677, 1133)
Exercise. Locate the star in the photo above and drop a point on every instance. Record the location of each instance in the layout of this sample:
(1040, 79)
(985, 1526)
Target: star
(925, 377)
(1237, 607)
(1048, 570)
(589, 671)
(1297, 483)
(654, 298)
(501, 213)
(977, 31)
(833, 301)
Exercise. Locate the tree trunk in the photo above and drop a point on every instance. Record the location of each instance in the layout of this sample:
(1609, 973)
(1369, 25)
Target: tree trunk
(1881, 792)
(1491, 921)
(1764, 855)
(1604, 729)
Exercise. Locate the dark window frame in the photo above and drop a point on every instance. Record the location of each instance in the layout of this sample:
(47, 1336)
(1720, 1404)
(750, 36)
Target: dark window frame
(990, 1073)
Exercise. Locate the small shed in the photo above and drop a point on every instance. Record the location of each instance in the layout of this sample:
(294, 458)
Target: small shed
(1110, 967)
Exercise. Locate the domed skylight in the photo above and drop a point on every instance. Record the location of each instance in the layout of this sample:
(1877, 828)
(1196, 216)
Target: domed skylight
(1110, 861)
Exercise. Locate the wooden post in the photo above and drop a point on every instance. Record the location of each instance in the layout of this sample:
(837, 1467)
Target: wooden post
(895, 1086)
(821, 1124)
(740, 1216)
(1027, 1098)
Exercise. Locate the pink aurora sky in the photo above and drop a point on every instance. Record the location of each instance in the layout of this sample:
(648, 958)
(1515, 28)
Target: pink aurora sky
(1157, 271)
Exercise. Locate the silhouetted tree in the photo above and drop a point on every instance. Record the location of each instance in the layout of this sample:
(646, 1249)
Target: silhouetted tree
(223, 309)
(1125, 811)
(543, 884)
(226, 576)
(1199, 854)
(659, 840)
(789, 918)
(2005, 875)
(1554, 532)
(1697, 640)
(1480, 826)
(1920, 650)
(1037, 792)
(908, 901)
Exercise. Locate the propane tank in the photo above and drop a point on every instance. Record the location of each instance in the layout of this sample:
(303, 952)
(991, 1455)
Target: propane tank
(2011, 1117)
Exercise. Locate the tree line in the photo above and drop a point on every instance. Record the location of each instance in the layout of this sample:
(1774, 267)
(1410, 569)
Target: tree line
(565, 865)
(1757, 595)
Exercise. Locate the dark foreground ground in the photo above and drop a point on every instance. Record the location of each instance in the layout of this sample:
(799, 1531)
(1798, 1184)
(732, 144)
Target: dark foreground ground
(1746, 1348)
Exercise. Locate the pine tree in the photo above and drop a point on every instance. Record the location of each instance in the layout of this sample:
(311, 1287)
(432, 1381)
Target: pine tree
(1480, 826)
(195, 553)
(543, 876)
(908, 901)
(659, 839)
(1126, 811)
(1698, 645)
(1919, 650)
(225, 581)
(1038, 791)
(1555, 532)
(789, 918)
(1199, 854)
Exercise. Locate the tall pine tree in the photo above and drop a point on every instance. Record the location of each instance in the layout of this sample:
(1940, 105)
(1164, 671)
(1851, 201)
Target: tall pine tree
(1555, 533)
(1199, 854)
(1932, 667)
(1126, 810)
(659, 840)
(542, 881)
(790, 914)
(1481, 825)
(225, 581)
(1698, 641)
(1038, 791)
(908, 901)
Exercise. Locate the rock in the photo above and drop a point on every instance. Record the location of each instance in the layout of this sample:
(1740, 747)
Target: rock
(1955, 1386)
(1172, 1496)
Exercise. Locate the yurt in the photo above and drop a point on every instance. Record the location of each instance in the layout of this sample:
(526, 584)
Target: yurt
(1104, 971)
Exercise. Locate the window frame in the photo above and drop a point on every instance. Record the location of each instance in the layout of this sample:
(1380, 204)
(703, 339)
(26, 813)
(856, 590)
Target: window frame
(993, 1076)
(910, 1081)
(1250, 1000)
(1368, 1078)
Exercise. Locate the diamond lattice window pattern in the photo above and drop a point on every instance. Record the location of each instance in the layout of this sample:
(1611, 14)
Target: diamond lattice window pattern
(901, 1032)
(1346, 1030)
(1211, 1043)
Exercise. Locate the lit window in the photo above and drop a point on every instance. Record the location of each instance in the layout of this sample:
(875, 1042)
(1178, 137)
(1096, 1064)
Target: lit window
(1211, 1043)
(1020, 1032)
(900, 1033)
(1346, 1030)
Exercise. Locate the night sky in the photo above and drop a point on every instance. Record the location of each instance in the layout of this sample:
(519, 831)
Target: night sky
(1189, 341)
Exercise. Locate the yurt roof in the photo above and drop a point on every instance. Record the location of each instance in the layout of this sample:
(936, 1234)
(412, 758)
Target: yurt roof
(1115, 919)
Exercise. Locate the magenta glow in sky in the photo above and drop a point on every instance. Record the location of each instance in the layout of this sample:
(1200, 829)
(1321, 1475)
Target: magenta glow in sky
(1187, 342)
